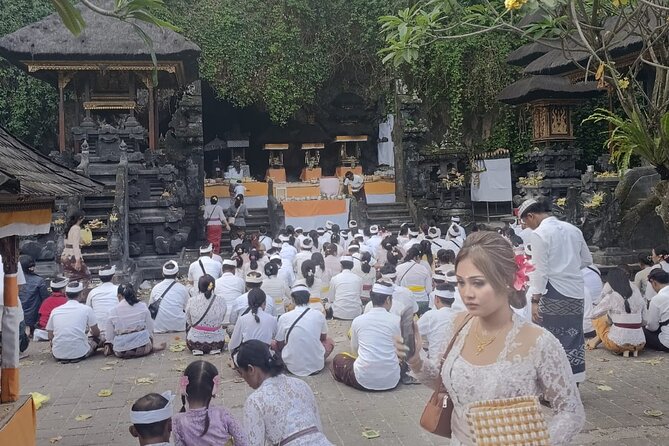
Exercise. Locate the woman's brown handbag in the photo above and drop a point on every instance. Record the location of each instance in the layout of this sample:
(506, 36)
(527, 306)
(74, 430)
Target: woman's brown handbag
(436, 417)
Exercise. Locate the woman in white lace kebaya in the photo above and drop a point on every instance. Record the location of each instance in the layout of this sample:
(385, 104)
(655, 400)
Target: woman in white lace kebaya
(281, 410)
(498, 354)
(623, 304)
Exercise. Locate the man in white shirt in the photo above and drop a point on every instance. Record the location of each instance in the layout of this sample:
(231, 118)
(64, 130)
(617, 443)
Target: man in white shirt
(173, 296)
(345, 291)
(307, 331)
(559, 252)
(288, 251)
(413, 240)
(657, 325)
(204, 265)
(103, 297)
(436, 242)
(356, 184)
(264, 239)
(453, 239)
(229, 287)
(286, 272)
(374, 242)
(373, 364)
(239, 189)
(241, 304)
(299, 236)
(432, 325)
(402, 296)
(462, 234)
(592, 279)
(415, 276)
(68, 325)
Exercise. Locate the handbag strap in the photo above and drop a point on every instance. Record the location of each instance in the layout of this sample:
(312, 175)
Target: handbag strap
(211, 302)
(294, 323)
(165, 292)
(405, 272)
(457, 331)
(204, 271)
(237, 213)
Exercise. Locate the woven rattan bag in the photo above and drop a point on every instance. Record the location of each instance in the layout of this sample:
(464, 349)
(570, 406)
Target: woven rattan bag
(509, 422)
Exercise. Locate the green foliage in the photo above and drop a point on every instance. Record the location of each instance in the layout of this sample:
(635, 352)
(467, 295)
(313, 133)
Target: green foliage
(28, 107)
(279, 55)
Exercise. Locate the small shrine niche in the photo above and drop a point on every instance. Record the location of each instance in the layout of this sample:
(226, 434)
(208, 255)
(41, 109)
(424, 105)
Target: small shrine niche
(312, 154)
(551, 121)
(276, 171)
(238, 167)
(349, 150)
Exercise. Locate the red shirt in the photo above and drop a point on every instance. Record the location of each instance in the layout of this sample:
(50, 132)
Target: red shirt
(55, 300)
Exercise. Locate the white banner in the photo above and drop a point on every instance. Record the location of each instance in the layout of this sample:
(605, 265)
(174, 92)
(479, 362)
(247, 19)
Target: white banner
(495, 182)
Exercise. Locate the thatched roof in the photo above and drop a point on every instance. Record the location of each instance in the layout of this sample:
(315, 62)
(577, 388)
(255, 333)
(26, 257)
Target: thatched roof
(546, 87)
(31, 175)
(104, 38)
(527, 53)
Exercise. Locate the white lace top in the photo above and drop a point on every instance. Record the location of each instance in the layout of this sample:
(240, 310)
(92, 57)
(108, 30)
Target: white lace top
(527, 365)
(279, 408)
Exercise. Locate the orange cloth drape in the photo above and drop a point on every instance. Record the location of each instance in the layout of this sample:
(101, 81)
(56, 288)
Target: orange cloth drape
(277, 175)
(380, 188)
(313, 207)
(253, 189)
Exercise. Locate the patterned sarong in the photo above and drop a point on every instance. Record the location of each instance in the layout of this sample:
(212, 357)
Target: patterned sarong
(68, 263)
(563, 317)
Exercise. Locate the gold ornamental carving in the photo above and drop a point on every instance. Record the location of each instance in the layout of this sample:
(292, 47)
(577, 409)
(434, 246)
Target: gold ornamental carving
(559, 117)
(110, 105)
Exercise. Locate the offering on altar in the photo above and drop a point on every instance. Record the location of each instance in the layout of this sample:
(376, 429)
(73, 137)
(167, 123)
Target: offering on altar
(276, 154)
(349, 150)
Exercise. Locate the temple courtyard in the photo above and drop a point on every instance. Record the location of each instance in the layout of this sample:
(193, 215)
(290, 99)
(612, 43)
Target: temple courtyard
(625, 398)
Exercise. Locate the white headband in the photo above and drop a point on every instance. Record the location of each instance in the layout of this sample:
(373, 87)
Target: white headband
(275, 257)
(453, 231)
(253, 277)
(170, 268)
(389, 277)
(59, 282)
(276, 245)
(154, 416)
(526, 204)
(413, 233)
(352, 224)
(306, 243)
(299, 287)
(451, 279)
(71, 288)
(229, 262)
(382, 288)
(346, 259)
(455, 219)
(439, 275)
(446, 294)
(373, 229)
(107, 272)
(206, 249)
(329, 224)
(284, 238)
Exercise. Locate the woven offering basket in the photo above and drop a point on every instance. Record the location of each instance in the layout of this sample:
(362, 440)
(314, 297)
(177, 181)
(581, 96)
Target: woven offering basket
(509, 422)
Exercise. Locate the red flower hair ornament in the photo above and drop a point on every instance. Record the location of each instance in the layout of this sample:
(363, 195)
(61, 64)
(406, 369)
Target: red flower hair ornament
(523, 268)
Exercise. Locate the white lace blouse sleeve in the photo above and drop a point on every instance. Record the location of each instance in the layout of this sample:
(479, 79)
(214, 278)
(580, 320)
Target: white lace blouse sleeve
(430, 371)
(254, 423)
(556, 381)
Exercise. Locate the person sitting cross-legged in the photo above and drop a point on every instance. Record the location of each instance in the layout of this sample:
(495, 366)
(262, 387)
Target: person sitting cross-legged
(254, 322)
(373, 364)
(129, 331)
(205, 315)
(657, 325)
(172, 297)
(345, 291)
(240, 306)
(151, 418)
(307, 331)
(103, 297)
(67, 327)
(433, 323)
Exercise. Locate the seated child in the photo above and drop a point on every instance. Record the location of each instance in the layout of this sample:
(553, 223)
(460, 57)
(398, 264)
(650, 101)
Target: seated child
(151, 418)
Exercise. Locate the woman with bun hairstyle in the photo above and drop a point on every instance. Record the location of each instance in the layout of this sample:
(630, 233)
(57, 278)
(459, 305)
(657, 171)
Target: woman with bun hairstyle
(312, 280)
(129, 328)
(281, 409)
(491, 342)
(368, 275)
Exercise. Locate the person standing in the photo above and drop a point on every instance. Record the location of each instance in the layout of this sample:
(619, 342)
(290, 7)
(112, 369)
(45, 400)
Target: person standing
(559, 252)
(173, 296)
(237, 215)
(32, 293)
(214, 219)
(71, 259)
(103, 297)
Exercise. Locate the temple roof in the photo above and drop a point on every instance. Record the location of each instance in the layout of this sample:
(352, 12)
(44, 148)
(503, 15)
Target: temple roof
(527, 53)
(27, 173)
(534, 88)
(103, 39)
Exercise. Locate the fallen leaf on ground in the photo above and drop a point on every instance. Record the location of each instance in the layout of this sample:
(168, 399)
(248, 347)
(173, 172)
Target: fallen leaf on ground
(176, 347)
(27, 363)
(107, 368)
(53, 440)
(83, 417)
(179, 368)
(177, 338)
(370, 433)
(653, 413)
(602, 360)
(111, 362)
(144, 381)
(654, 361)
(105, 392)
(39, 399)
(605, 388)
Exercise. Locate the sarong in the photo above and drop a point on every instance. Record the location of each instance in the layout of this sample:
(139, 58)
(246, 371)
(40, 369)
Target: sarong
(563, 317)
(135, 352)
(73, 274)
(214, 233)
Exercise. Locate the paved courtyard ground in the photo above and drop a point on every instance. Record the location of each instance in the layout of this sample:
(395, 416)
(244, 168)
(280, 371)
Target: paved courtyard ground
(617, 393)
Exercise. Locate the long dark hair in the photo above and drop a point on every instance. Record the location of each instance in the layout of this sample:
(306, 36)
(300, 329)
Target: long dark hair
(257, 299)
(426, 250)
(271, 269)
(256, 353)
(313, 235)
(446, 256)
(239, 200)
(412, 254)
(200, 386)
(308, 270)
(74, 218)
(253, 257)
(335, 238)
(619, 282)
(364, 262)
(128, 292)
(206, 285)
(645, 259)
(318, 259)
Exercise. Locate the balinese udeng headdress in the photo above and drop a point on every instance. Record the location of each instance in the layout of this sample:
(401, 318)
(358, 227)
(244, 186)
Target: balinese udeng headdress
(154, 416)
